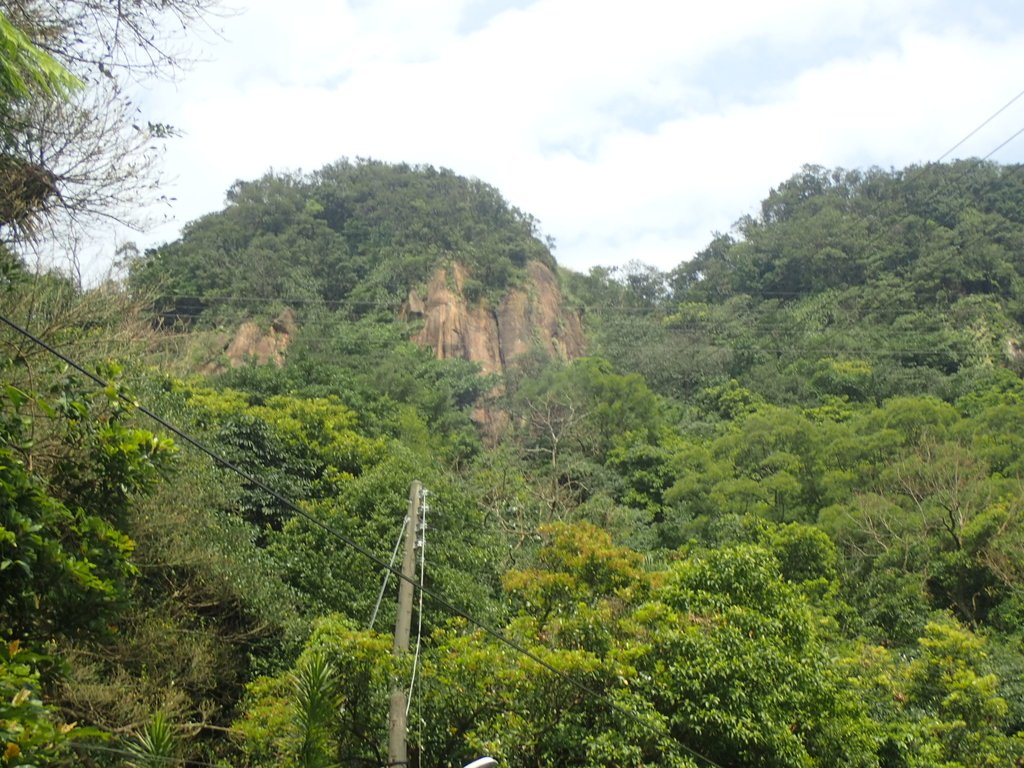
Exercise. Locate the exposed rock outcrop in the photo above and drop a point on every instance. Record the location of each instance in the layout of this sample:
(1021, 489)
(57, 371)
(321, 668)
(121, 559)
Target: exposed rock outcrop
(526, 318)
(251, 342)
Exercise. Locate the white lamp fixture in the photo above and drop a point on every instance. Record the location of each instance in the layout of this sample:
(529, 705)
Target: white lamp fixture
(483, 762)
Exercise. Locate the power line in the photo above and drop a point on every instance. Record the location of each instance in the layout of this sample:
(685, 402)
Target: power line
(821, 346)
(387, 573)
(421, 544)
(991, 117)
(844, 305)
(1018, 133)
(637, 310)
(796, 345)
(314, 300)
(354, 545)
(171, 761)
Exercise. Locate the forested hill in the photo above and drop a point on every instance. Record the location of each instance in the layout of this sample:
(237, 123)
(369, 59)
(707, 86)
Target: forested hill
(853, 284)
(415, 252)
(353, 235)
(774, 518)
(926, 236)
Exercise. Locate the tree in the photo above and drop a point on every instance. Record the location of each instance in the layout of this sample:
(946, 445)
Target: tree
(24, 68)
(569, 417)
(358, 235)
(31, 730)
(26, 72)
(69, 155)
(326, 710)
(943, 707)
(68, 467)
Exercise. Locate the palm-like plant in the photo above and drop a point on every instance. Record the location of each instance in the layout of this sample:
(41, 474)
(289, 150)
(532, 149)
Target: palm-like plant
(155, 746)
(317, 700)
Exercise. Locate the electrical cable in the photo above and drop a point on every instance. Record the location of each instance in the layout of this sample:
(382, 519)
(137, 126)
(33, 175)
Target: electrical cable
(178, 761)
(387, 573)
(91, 747)
(991, 117)
(666, 311)
(278, 300)
(1018, 133)
(636, 310)
(821, 348)
(356, 547)
(421, 543)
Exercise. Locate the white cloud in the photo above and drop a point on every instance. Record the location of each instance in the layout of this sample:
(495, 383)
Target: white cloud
(632, 131)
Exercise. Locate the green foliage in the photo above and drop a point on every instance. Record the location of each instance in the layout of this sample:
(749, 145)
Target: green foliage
(31, 730)
(578, 566)
(941, 708)
(353, 236)
(303, 449)
(850, 284)
(317, 702)
(746, 671)
(329, 709)
(63, 548)
(369, 510)
(25, 67)
(718, 653)
(394, 387)
(834, 229)
(571, 417)
(809, 437)
(155, 745)
(848, 358)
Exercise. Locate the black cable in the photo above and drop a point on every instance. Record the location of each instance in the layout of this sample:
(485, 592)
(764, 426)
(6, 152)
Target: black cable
(667, 310)
(91, 747)
(792, 345)
(348, 541)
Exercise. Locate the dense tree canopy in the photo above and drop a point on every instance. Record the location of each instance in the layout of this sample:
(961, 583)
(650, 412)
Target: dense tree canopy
(356, 236)
(773, 518)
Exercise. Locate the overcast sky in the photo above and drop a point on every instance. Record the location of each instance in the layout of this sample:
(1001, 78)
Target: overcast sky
(630, 130)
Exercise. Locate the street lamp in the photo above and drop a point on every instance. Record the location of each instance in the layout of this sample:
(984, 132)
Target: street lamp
(483, 762)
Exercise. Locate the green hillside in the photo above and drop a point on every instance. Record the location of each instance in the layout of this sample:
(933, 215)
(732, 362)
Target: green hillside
(353, 236)
(859, 285)
(773, 519)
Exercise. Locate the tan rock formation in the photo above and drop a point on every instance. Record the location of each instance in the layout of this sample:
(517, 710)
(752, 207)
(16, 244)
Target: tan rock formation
(527, 317)
(253, 342)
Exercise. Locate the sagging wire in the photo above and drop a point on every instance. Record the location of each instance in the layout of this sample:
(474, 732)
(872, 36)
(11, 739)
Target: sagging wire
(299, 512)
(389, 570)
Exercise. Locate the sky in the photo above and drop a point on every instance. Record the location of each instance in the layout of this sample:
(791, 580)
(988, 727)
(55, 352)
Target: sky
(632, 131)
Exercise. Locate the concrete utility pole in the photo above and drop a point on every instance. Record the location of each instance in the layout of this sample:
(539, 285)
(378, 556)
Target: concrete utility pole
(397, 725)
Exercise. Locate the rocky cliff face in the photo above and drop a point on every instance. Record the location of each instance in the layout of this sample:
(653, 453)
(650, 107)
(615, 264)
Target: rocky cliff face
(525, 318)
(251, 342)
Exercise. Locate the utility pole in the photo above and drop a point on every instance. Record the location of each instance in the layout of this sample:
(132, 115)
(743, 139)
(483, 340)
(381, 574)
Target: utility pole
(397, 725)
